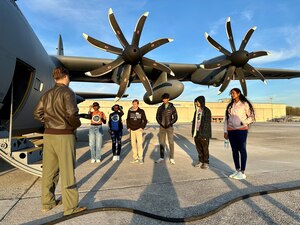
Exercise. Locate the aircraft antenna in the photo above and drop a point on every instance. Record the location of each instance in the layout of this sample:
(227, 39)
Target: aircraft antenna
(60, 46)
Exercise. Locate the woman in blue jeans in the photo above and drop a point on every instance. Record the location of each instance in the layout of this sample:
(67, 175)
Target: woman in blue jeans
(95, 132)
(239, 114)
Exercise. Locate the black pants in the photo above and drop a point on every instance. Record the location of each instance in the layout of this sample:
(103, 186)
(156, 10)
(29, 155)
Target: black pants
(202, 148)
(116, 137)
(238, 140)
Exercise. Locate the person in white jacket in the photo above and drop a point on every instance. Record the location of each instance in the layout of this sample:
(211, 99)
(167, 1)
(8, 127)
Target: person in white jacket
(239, 114)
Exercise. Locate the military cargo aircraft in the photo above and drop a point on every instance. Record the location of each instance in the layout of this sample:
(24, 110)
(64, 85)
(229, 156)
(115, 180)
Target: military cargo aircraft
(26, 75)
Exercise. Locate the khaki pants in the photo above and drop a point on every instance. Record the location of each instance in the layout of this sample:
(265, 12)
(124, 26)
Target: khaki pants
(162, 141)
(59, 158)
(136, 137)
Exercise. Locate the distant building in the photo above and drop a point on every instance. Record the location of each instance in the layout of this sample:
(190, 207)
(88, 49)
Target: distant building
(264, 111)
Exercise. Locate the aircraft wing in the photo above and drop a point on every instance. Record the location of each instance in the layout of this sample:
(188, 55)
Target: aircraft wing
(77, 67)
(183, 71)
(91, 95)
(271, 73)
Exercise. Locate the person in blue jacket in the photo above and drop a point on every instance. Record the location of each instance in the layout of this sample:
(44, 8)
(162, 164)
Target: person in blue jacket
(115, 129)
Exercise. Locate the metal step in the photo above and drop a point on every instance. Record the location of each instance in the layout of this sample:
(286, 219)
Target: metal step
(28, 155)
(34, 168)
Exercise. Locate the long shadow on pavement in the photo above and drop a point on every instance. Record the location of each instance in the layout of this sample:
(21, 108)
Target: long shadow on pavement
(218, 167)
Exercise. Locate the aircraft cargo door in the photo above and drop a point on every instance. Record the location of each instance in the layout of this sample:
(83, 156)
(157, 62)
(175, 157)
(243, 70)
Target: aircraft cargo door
(21, 85)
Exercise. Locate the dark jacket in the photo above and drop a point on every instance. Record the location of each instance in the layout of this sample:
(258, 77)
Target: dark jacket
(111, 117)
(166, 117)
(57, 110)
(136, 119)
(205, 124)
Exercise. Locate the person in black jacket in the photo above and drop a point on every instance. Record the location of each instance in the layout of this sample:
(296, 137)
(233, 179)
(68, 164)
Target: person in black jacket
(201, 131)
(166, 116)
(115, 130)
(136, 122)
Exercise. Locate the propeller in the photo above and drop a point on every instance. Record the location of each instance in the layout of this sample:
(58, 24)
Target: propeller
(237, 61)
(130, 57)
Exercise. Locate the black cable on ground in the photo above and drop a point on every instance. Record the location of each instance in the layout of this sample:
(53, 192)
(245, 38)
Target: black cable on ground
(172, 219)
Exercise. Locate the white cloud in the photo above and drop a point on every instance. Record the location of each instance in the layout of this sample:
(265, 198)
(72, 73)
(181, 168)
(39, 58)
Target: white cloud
(247, 14)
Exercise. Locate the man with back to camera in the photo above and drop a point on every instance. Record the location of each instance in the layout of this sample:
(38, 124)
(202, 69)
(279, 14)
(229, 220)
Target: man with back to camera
(166, 116)
(57, 110)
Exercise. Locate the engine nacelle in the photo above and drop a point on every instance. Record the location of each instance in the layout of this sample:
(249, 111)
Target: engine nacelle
(208, 77)
(173, 87)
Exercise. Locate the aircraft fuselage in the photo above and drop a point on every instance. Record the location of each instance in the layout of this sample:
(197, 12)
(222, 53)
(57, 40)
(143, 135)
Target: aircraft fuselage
(25, 68)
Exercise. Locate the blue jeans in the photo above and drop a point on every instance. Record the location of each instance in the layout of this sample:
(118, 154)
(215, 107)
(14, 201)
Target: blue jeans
(95, 141)
(238, 139)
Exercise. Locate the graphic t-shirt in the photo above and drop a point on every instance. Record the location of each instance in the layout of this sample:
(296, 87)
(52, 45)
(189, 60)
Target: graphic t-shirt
(114, 124)
(96, 118)
(199, 115)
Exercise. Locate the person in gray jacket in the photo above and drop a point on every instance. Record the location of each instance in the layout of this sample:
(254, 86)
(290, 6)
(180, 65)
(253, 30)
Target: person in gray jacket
(201, 131)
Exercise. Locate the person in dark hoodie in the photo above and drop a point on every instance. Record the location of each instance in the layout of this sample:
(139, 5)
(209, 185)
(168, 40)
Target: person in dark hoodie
(136, 122)
(166, 116)
(115, 130)
(201, 131)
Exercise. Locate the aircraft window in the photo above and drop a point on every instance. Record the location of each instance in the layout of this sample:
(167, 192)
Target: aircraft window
(38, 85)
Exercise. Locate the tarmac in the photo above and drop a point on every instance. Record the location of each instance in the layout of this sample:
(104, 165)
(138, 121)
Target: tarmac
(118, 192)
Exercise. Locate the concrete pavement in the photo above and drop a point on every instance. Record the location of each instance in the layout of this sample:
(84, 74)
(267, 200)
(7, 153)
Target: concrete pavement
(177, 191)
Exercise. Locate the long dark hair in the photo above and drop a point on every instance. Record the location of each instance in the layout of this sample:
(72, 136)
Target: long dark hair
(242, 99)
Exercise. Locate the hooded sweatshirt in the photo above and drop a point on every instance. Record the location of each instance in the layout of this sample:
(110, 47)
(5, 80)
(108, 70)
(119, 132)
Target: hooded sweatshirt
(201, 125)
(136, 119)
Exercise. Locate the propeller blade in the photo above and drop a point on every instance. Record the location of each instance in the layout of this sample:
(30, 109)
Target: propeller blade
(154, 44)
(102, 45)
(228, 77)
(144, 79)
(242, 79)
(255, 72)
(156, 65)
(253, 55)
(247, 37)
(138, 29)
(124, 81)
(216, 45)
(106, 68)
(215, 65)
(117, 30)
(229, 34)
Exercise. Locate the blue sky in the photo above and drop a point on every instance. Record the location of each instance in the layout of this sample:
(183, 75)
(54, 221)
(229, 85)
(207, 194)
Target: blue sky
(278, 32)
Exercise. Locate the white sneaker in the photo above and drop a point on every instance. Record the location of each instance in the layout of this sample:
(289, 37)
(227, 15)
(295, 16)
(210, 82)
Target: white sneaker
(240, 176)
(159, 160)
(234, 174)
(98, 161)
(172, 161)
(115, 158)
(93, 161)
(118, 157)
(197, 165)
